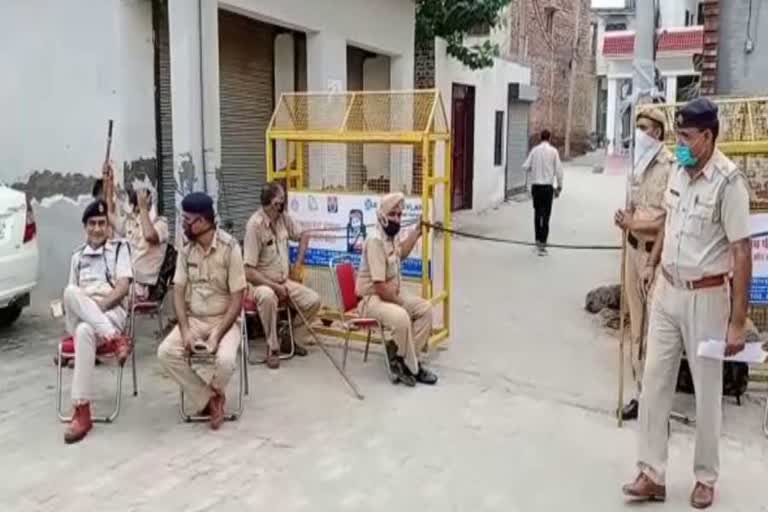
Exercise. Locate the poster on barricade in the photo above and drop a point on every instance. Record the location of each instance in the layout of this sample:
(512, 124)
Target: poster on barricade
(349, 219)
(758, 294)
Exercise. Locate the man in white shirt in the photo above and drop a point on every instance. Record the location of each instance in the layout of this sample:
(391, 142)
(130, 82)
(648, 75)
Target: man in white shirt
(543, 165)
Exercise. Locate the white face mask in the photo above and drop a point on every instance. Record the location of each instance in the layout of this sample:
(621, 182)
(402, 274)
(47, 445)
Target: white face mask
(646, 149)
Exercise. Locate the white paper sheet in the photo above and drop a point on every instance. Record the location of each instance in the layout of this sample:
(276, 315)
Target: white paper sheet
(753, 353)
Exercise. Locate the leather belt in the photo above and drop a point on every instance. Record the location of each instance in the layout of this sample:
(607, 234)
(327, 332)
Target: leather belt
(704, 282)
(637, 244)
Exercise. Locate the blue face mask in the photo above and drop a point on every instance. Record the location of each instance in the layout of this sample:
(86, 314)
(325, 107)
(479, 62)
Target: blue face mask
(685, 156)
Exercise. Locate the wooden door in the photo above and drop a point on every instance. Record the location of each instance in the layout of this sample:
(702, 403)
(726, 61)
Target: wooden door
(463, 130)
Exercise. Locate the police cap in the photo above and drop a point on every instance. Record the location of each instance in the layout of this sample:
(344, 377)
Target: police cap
(699, 113)
(98, 208)
(200, 203)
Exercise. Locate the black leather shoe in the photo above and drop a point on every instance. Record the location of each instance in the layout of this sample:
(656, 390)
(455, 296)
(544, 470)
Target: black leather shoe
(630, 411)
(285, 346)
(426, 377)
(402, 373)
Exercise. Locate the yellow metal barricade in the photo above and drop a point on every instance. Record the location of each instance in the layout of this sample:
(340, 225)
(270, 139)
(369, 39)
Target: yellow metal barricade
(337, 153)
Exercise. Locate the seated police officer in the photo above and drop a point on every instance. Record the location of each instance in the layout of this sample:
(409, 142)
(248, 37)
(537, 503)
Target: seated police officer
(99, 281)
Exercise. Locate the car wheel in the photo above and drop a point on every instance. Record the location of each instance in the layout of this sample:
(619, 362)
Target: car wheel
(9, 314)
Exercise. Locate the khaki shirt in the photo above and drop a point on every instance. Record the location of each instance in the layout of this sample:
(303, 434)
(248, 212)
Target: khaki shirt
(380, 263)
(647, 190)
(96, 271)
(704, 216)
(266, 244)
(147, 258)
(210, 277)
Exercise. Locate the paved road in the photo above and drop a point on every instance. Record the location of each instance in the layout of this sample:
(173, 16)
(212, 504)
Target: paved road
(519, 422)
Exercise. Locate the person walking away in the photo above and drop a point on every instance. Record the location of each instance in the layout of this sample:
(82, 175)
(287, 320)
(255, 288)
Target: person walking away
(701, 294)
(544, 167)
(642, 223)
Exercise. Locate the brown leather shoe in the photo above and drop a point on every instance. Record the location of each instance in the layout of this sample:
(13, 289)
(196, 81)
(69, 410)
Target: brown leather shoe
(80, 425)
(645, 489)
(216, 405)
(273, 359)
(702, 496)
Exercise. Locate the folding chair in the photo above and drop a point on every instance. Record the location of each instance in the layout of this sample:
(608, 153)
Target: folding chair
(242, 378)
(347, 301)
(148, 308)
(284, 316)
(105, 354)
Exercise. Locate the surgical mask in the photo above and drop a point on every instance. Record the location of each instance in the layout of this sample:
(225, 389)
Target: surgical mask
(392, 228)
(685, 156)
(646, 149)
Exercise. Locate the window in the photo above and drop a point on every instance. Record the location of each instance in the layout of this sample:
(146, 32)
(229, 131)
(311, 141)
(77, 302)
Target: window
(549, 12)
(611, 27)
(497, 142)
(700, 14)
(688, 18)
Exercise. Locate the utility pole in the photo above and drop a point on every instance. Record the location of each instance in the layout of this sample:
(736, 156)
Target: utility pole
(572, 79)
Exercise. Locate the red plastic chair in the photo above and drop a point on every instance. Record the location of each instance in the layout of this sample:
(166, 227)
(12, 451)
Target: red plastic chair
(347, 302)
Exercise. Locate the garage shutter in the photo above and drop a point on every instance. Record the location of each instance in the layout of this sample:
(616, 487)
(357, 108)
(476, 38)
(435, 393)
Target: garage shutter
(246, 74)
(517, 146)
(167, 182)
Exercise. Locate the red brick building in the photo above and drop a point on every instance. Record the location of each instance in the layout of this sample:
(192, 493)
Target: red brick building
(542, 35)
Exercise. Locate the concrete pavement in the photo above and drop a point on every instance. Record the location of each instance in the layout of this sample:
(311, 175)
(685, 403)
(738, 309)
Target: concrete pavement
(520, 421)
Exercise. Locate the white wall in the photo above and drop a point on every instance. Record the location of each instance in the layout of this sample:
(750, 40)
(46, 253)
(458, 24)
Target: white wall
(491, 88)
(68, 68)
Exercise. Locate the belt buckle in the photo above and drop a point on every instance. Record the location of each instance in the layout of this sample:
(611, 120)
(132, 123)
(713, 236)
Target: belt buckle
(688, 285)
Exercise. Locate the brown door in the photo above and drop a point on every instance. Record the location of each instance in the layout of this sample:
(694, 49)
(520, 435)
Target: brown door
(463, 129)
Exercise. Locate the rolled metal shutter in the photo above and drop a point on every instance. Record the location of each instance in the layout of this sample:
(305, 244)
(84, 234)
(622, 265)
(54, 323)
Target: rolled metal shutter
(167, 181)
(517, 146)
(246, 74)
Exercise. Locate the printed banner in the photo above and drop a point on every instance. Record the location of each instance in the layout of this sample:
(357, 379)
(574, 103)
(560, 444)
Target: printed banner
(352, 217)
(759, 290)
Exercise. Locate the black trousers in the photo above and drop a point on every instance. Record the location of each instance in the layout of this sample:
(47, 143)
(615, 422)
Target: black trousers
(542, 210)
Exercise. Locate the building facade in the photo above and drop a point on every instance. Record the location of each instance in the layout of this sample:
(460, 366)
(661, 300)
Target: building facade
(190, 85)
(679, 51)
(554, 39)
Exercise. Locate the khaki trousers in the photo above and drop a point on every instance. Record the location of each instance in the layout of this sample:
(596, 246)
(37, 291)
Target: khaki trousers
(306, 299)
(89, 326)
(411, 324)
(635, 263)
(173, 357)
(681, 319)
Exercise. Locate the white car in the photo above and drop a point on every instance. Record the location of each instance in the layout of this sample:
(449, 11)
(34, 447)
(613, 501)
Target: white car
(18, 254)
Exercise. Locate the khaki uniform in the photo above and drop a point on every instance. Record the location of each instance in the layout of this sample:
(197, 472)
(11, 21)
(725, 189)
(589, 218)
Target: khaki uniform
(266, 250)
(92, 276)
(411, 323)
(209, 279)
(147, 258)
(647, 202)
(703, 217)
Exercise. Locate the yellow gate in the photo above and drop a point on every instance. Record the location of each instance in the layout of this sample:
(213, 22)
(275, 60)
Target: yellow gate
(337, 151)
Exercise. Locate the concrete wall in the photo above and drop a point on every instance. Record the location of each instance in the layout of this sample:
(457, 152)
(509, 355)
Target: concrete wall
(739, 72)
(490, 96)
(69, 67)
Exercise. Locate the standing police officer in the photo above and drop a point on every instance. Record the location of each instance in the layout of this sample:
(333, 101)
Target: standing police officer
(642, 222)
(706, 267)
